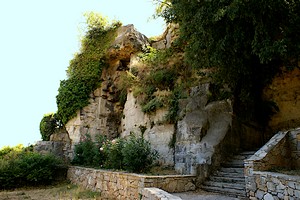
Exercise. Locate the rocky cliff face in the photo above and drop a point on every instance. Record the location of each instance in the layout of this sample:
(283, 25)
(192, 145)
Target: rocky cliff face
(201, 131)
(285, 92)
(103, 114)
(194, 140)
(202, 136)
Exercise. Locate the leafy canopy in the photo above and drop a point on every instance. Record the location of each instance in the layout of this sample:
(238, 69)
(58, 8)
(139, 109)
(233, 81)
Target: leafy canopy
(245, 41)
(48, 125)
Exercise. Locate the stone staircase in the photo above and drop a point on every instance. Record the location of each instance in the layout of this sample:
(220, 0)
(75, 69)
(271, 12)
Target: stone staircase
(229, 179)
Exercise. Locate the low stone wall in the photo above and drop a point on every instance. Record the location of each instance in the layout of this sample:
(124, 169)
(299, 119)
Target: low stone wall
(158, 194)
(282, 151)
(275, 153)
(294, 138)
(271, 186)
(122, 185)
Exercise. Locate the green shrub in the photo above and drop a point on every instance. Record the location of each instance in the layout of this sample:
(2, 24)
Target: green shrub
(138, 155)
(114, 156)
(48, 125)
(133, 154)
(152, 105)
(87, 152)
(24, 168)
(7, 152)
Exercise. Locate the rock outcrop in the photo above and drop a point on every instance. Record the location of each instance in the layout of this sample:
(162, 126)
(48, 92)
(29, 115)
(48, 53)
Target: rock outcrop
(103, 114)
(201, 131)
(194, 140)
(284, 91)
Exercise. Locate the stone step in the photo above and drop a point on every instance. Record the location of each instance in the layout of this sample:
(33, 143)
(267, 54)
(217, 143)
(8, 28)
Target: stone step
(227, 174)
(234, 163)
(235, 186)
(225, 191)
(232, 170)
(248, 153)
(237, 180)
(240, 157)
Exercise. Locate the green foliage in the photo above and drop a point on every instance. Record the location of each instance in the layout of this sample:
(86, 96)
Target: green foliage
(246, 41)
(48, 125)
(87, 152)
(138, 155)
(154, 57)
(152, 105)
(8, 151)
(172, 116)
(84, 71)
(126, 81)
(20, 168)
(114, 156)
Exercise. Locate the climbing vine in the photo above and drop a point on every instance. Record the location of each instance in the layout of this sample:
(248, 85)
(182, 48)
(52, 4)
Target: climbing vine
(85, 68)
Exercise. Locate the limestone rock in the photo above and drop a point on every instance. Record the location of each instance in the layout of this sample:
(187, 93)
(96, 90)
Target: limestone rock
(201, 130)
(127, 42)
(285, 92)
(103, 114)
(158, 135)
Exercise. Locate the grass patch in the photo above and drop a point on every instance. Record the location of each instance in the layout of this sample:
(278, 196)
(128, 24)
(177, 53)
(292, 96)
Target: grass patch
(63, 190)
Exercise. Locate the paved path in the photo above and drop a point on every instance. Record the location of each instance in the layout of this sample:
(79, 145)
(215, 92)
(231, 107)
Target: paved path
(202, 195)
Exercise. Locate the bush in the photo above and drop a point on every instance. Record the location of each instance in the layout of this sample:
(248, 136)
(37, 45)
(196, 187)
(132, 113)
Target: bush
(24, 168)
(114, 156)
(134, 154)
(138, 155)
(87, 152)
(48, 125)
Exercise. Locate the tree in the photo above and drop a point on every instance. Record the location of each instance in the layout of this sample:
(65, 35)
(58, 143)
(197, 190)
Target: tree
(247, 42)
(48, 125)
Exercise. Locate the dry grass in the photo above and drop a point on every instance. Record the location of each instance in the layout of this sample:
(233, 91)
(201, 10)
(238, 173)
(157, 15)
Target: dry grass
(62, 191)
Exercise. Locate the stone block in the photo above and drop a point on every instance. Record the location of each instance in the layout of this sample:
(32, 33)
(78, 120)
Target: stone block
(290, 192)
(297, 194)
(291, 185)
(280, 186)
(280, 195)
(260, 194)
(268, 197)
(270, 186)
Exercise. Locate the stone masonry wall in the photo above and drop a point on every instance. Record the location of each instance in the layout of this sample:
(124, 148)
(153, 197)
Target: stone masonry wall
(121, 185)
(294, 138)
(273, 186)
(282, 151)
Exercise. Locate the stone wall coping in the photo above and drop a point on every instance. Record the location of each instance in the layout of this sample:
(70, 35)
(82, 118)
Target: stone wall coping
(278, 175)
(263, 151)
(134, 174)
(158, 194)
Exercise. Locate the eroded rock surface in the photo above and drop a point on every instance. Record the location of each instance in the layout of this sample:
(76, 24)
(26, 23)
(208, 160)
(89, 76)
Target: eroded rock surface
(201, 130)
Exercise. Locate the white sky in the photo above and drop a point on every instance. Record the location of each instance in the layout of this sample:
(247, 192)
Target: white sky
(37, 40)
